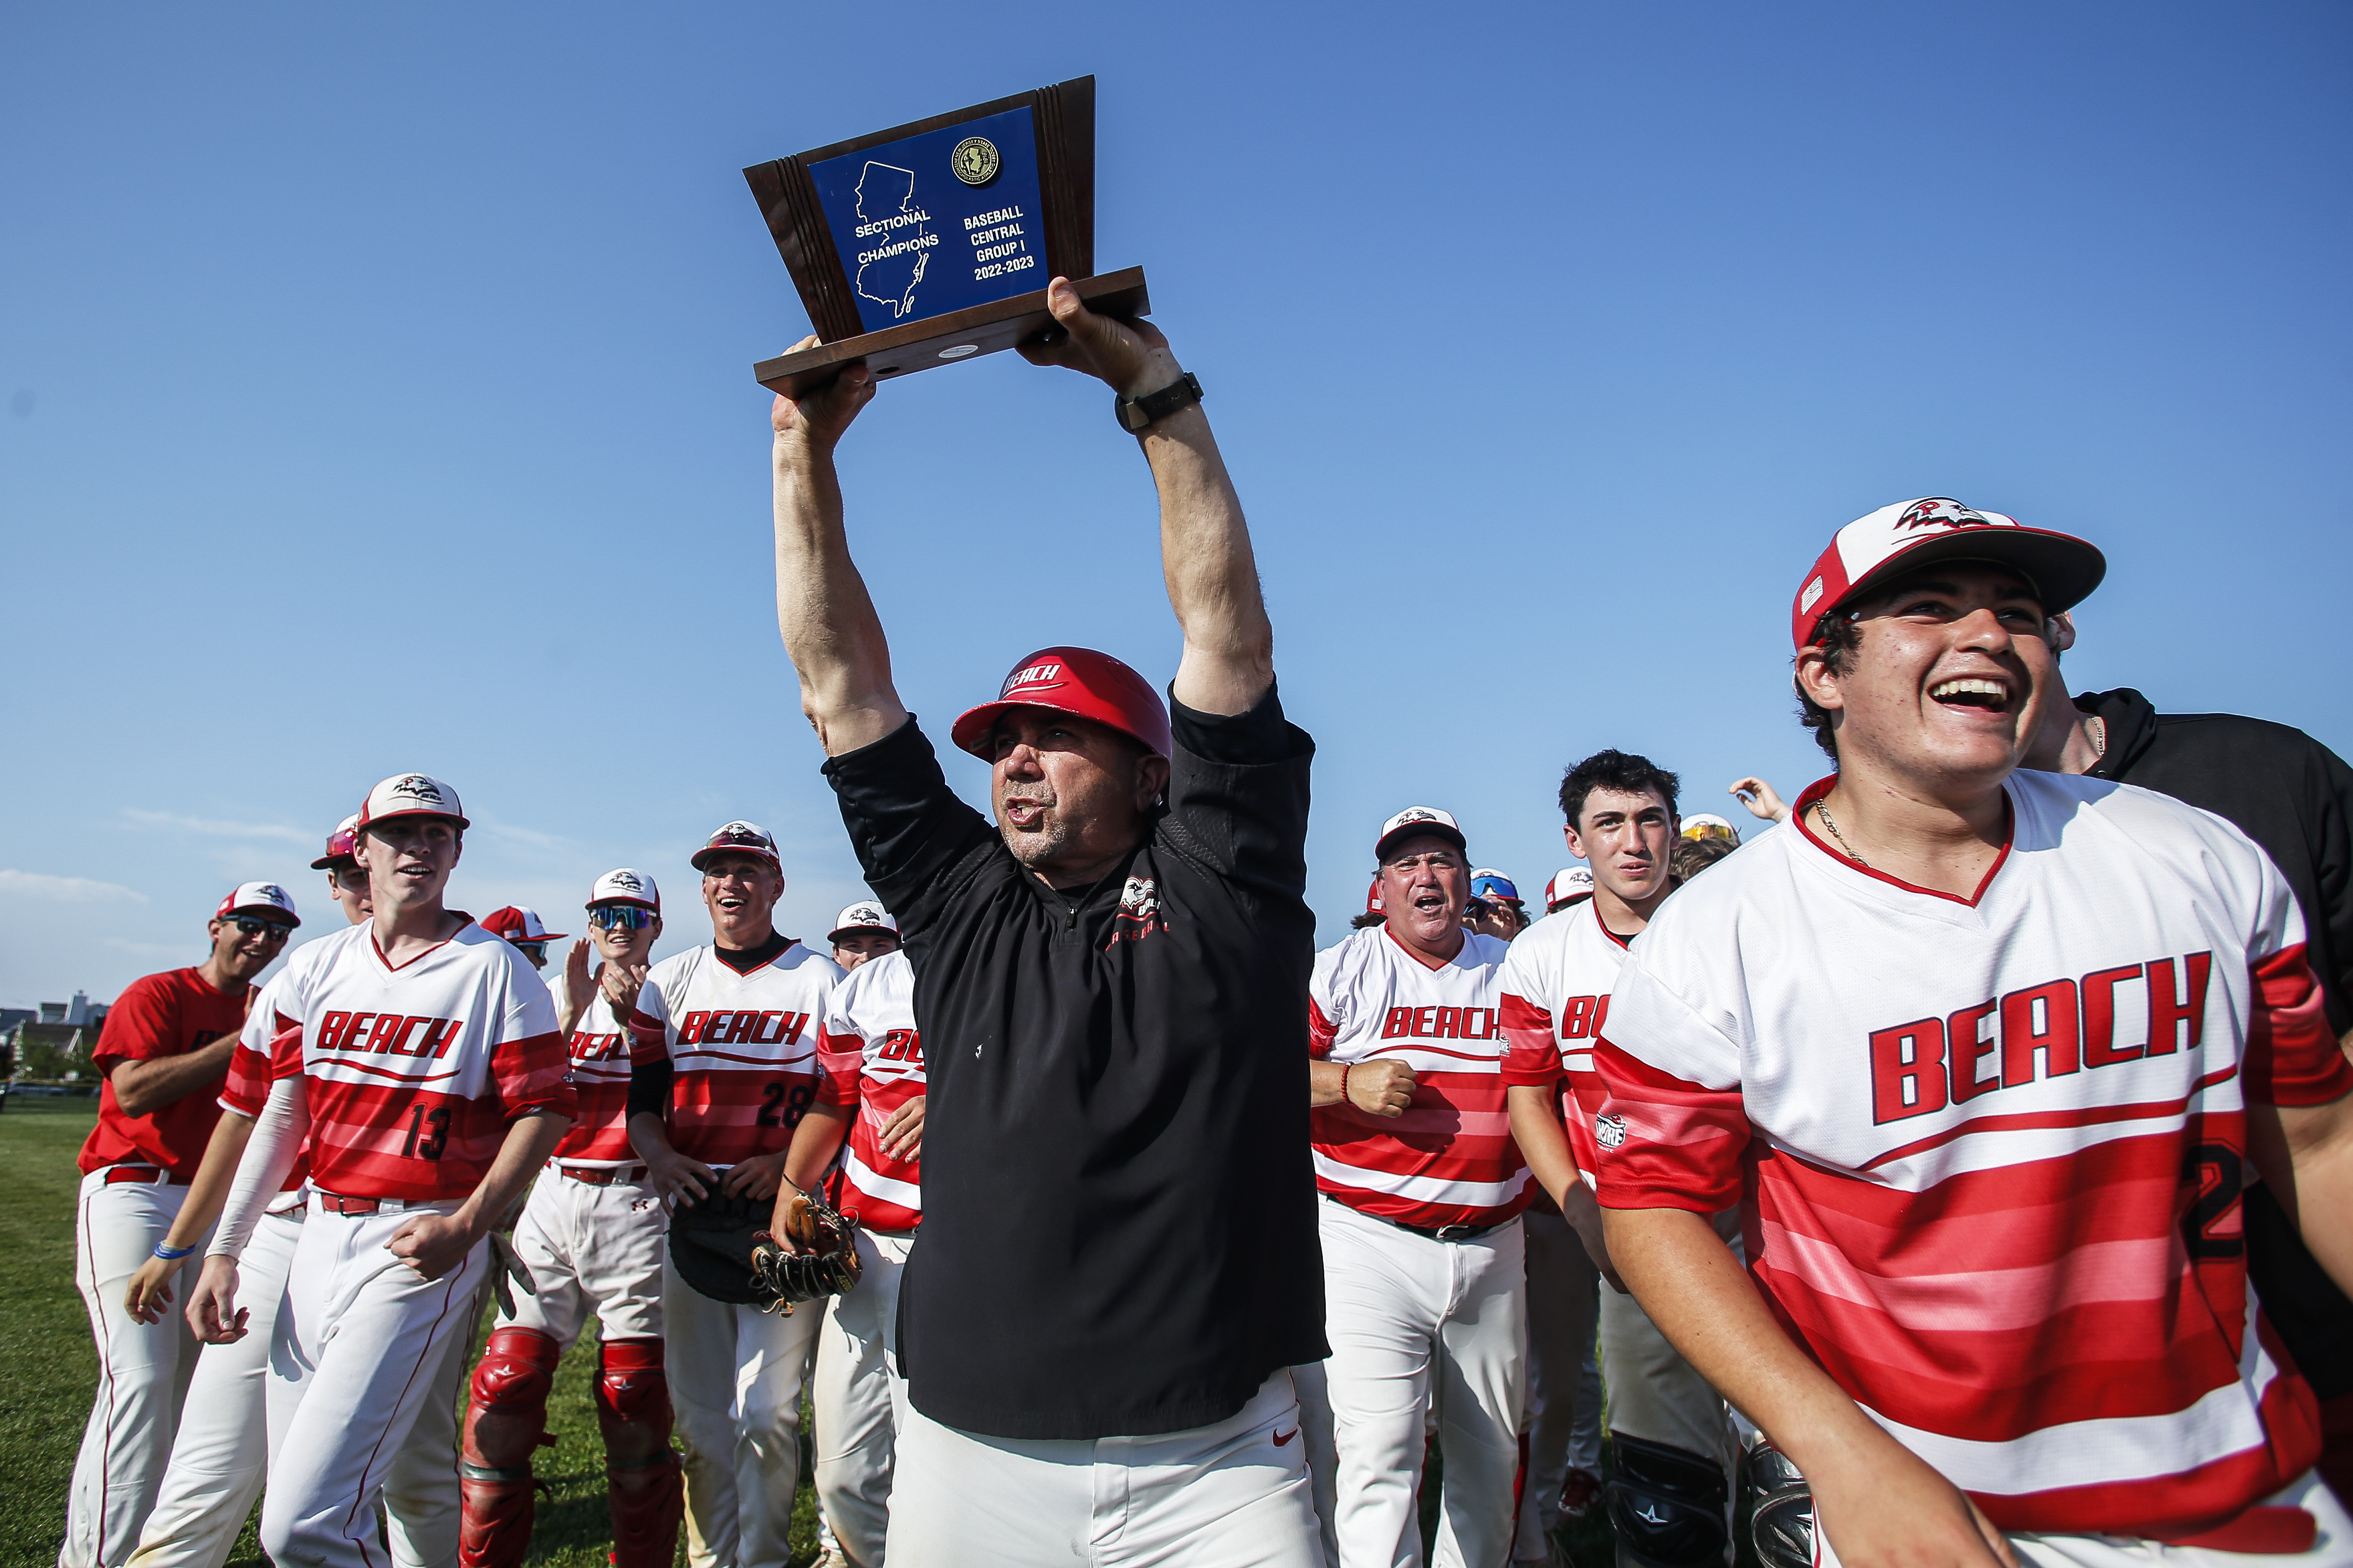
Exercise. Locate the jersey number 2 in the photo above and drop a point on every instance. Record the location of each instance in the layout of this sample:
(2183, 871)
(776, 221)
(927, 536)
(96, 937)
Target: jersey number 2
(434, 1127)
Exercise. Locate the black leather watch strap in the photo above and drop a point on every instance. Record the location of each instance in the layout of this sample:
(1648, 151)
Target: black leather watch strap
(1135, 414)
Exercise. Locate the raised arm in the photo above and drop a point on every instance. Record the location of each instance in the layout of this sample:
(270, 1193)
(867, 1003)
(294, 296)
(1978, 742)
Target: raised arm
(1205, 548)
(829, 623)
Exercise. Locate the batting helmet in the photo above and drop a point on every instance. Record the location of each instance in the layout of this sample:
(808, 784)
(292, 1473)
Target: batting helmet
(1076, 681)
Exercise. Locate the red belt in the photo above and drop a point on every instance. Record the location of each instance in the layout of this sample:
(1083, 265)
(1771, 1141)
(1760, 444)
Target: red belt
(149, 1175)
(335, 1203)
(601, 1175)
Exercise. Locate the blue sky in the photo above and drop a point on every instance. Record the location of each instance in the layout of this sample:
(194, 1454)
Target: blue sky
(375, 396)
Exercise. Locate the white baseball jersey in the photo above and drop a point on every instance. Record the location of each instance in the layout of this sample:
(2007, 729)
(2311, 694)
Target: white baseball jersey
(1991, 1150)
(1556, 985)
(873, 1060)
(742, 1048)
(414, 1073)
(1450, 1158)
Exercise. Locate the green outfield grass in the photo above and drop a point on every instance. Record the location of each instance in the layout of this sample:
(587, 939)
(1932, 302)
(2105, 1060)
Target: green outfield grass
(48, 1371)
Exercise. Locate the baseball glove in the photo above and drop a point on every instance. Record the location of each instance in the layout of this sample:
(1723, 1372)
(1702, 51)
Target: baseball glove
(826, 1265)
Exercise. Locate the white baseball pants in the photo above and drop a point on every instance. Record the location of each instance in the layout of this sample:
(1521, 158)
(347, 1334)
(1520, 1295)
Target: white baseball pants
(859, 1399)
(1563, 1303)
(735, 1384)
(142, 1368)
(221, 1453)
(364, 1376)
(591, 1252)
(2333, 1549)
(1417, 1326)
(1234, 1495)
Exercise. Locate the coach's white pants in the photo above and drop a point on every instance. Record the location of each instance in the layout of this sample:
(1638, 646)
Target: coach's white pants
(1234, 1495)
(363, 1373)
(736, 1385)
(1563, 1302)
(1417, 1327)
(142, 1368)
(591, 1250)
(2333, 1549)
(856, 1398)
(222, 1449)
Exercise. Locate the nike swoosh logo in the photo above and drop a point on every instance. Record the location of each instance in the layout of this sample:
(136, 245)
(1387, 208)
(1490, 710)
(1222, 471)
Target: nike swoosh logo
(1282, 1437)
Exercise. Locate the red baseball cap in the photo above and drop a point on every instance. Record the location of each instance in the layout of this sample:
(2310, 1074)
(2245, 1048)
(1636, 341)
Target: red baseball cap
(342, 844)
(410, 794)
(1076, 681)
(1913, 533)
(520, 923)
(738, 838)
(1373, 900)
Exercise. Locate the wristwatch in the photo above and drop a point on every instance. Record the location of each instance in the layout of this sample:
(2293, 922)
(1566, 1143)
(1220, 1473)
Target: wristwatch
(1135, 414)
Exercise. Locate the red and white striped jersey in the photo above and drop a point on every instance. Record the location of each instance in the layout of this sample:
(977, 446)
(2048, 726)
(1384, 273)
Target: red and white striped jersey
(413, 1074)
(873, 1060)
(1990, 1151)
(251, 1064)
(1557, 983)
(741, 1048)
(599, 1049)
(1450, 1158)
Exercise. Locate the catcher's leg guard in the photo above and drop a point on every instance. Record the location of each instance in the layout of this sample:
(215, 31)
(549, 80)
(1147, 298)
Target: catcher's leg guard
(505, 1420)
(1668, 1505)
(648, 1492)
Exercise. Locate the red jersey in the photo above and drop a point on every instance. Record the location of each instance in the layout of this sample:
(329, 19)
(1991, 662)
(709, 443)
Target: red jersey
(599, 1049)
(166, 1015)
(873, 1060)
(1990, 1149)
(1450, 1158)
(414, 1073)
(741, 1048)
(1556, 985)
(252, 1065)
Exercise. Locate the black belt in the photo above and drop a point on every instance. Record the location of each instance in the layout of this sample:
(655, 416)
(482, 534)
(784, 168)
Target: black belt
(1439, 1233)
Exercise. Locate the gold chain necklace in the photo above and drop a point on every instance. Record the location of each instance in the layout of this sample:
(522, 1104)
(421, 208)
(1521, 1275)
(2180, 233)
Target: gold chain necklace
(1823, 809)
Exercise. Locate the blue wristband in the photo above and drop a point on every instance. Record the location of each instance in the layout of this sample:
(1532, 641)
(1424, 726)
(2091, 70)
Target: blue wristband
(173, 1254)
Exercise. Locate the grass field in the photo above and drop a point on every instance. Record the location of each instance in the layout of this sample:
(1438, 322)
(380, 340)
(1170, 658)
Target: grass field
(48, 1370)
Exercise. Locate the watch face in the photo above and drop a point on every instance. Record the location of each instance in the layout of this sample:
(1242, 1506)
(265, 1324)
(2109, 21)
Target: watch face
(975, 160)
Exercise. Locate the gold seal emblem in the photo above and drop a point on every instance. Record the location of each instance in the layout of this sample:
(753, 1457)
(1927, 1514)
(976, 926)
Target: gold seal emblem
(975, 160)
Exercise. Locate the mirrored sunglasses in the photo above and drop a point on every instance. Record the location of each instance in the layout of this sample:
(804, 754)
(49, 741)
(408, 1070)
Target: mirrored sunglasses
(253, 925)
(620, 917)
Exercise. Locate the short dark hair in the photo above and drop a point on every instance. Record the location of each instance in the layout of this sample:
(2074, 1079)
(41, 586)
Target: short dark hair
(1841, 637)
(1617, 770)
(1690, 856)
(1366, 921)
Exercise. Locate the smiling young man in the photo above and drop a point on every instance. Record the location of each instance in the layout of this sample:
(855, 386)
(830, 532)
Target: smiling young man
(725, 1067)
(161, 1058)
(1671, 1498)
(1422, 1190)
(1987, 1056)
(417, 1055)
(1119, 1262)
(591, 1236)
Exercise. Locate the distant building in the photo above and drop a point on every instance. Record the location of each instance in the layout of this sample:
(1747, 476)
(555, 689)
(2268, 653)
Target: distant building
(80, 1010)
(55, 1043)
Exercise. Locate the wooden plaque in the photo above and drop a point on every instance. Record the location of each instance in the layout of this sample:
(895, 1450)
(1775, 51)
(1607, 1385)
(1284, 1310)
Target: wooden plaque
(933, 242)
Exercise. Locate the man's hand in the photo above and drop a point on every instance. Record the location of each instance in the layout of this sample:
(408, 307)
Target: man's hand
(433, 1244)
(755, 1177)
(678, 1178)
(1888, 1509)
(903, 1135)
(1760, 798)
(621, 983)
(816, 420)
(1382, 1087)
(150, 1289)
(1132, 358)
(213, 1311)
(577, 981)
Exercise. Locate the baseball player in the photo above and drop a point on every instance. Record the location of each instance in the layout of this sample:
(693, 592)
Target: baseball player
(863, 931)
(220, 1452)
(872, 1095)
(418, 1056)
(1706, 824)
(523, 927)
(1423, 1265)
(1119, 1267)
(1987, 1057)
(724, 1068)
(1568, 885)
(591, 1238)
(1671, 1498)
(161, 1056)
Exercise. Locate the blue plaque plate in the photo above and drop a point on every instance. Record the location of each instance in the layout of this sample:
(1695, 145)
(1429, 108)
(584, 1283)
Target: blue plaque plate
(937, 222)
